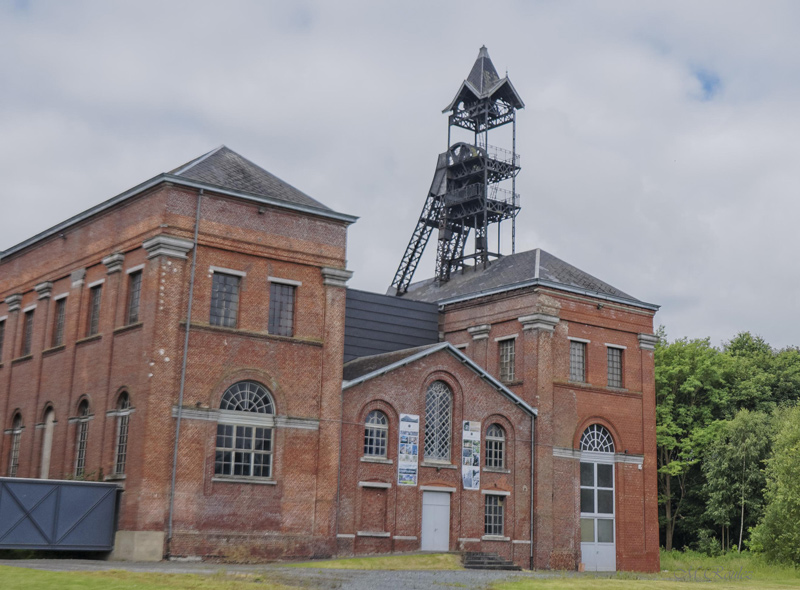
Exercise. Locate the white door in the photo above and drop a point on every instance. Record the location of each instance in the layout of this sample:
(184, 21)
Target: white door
(598, 546)
(435, 521)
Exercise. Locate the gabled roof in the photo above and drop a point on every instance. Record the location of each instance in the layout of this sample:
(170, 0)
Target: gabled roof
(524, 269)
(484, 82)
(222, 171)
(225, 168)
(363, 369)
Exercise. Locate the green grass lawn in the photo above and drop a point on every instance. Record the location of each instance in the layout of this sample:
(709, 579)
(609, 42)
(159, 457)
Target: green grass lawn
(438, 561)
(15, 578)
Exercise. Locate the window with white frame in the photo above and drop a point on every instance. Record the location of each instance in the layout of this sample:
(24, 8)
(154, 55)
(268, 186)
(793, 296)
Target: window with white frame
(495, 447)
(244, 447)
(224, 300)
(614, 366)
(577, 361)
(507, 358)
(494, 508)
(438, 421)
(123, 423)
(376, 430)
(81, 438)
(16, 436)
(597, 485)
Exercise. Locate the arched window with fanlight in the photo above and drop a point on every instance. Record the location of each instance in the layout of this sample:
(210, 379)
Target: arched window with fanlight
(598, 547)
(123, 412)
(376, 431)
(16, 436)
(82, 438)
(438, 421)
(495, 447)
(245, 432)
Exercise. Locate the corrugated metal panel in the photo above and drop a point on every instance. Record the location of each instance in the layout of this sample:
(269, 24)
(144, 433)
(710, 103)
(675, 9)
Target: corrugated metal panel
(57, 515)
(376, 323)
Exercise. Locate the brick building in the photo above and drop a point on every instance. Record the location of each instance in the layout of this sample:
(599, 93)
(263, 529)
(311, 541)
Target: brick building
(193, 339)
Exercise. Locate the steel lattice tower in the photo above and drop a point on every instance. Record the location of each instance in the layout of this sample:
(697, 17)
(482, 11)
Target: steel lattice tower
(466, 193)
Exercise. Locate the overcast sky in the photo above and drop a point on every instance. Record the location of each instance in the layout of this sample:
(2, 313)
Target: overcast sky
(659, 141)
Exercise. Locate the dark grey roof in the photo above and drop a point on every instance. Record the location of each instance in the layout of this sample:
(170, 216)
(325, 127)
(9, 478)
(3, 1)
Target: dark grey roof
(518, 270)
(483, 75)
(367, 364)
(225, 168)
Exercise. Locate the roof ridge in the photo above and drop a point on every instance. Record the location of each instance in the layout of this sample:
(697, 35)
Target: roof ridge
(192, 163)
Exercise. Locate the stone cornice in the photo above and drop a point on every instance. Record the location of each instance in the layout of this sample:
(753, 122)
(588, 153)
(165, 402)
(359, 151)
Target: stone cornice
(539, 321)
(336, 277)
(164, 245)
(114, 262)
(648, 341)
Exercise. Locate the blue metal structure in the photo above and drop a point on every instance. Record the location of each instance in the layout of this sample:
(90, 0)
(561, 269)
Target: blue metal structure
(48, 514)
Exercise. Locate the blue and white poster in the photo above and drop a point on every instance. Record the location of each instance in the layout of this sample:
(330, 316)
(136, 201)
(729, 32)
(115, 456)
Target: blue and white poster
(408, 450)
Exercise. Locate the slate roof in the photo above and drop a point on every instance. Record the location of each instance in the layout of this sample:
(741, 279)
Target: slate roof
(484, 82)
(225, 168)
(367, 364)
(516, 271)
(483, 75)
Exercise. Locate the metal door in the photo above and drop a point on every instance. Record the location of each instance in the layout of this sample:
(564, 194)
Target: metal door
(435, 521)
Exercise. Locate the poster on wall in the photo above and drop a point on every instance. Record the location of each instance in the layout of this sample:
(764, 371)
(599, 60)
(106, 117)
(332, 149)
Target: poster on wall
(471, 455)
(408, 450)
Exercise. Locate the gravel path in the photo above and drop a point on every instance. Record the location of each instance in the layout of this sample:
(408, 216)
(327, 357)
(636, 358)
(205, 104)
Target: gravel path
(323, 579)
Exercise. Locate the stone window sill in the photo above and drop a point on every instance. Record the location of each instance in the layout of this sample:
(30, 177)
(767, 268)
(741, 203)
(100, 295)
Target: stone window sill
(495, 538)
(496, 470)
(438, 465)
(53, 350)
(377, 460)
(512, 383)
(255, 480)
(22, 359)
(115, 477)
(373, 534)
(128, 328)
(91, 338)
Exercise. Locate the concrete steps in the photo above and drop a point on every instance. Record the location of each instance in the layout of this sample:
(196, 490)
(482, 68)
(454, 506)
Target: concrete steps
(475, 560)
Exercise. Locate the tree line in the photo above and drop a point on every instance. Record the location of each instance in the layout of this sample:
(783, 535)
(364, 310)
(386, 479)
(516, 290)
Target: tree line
(728, 436)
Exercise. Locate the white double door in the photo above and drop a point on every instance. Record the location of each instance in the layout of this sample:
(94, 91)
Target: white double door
(598, 527)
(435, 521)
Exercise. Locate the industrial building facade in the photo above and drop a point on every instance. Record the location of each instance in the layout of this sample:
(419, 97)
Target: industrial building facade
(193, 339)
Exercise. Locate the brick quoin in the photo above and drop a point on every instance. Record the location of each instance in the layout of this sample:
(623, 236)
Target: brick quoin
(323, 497)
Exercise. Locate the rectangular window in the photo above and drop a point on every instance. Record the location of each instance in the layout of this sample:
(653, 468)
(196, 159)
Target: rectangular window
(493, 515)
(93, 321)
(134, 292)
(281, 309)
(243, 451)
(507, 357)
(58, 323)
(2, 338)
(80, 451)
(27, 332)
(224, 300)
(577, 361)
(614, 367)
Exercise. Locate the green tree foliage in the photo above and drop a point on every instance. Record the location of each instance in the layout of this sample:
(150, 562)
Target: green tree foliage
(691, 394)
(733, 468)
(778, 533)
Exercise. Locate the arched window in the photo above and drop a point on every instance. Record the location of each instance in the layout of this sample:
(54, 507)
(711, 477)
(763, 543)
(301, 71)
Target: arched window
(123, 420)
(495, 447)
(597, 438)
(245, 450)
(16, 435)
(83, 435)
(438, 420)
(376, 430)
(47, 441)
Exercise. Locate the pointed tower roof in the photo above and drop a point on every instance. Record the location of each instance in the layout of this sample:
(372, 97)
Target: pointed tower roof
(484, 82)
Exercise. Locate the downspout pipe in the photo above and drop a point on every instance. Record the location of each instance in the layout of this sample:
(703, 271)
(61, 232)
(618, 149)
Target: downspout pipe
(533, 479)
(183, 376)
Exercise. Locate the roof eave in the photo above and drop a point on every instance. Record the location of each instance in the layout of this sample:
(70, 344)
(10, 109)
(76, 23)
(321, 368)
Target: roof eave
(502, 389)
(177, 180)
(553, 285)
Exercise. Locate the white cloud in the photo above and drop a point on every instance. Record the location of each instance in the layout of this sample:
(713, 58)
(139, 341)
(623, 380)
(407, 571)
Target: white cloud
(631, 169)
